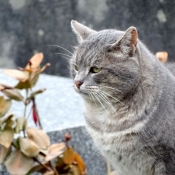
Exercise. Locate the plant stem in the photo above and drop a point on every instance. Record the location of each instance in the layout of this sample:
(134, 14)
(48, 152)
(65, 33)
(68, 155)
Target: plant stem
(44, 166)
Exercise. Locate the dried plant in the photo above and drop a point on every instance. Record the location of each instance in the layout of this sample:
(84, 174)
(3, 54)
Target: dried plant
(24, 149)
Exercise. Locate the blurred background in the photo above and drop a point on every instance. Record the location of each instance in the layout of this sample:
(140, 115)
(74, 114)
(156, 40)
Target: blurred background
(30, 26)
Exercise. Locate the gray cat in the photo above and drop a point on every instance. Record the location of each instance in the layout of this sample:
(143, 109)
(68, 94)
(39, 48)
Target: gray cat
(129, 99)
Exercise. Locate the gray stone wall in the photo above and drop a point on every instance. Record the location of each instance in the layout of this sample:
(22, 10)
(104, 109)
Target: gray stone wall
(28, 26)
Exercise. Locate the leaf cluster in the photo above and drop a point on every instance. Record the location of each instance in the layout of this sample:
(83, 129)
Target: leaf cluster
(25, 149)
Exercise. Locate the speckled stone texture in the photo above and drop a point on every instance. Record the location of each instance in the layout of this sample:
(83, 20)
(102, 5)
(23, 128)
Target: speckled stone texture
(28, 26)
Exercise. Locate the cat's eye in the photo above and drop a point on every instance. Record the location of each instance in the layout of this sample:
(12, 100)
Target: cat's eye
(76, 67)
(95, 69)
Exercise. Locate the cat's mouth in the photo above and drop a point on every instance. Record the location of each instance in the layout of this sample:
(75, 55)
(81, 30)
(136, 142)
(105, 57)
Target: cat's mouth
(86, 90)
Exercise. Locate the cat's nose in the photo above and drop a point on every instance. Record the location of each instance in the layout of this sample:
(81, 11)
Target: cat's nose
(78, 84)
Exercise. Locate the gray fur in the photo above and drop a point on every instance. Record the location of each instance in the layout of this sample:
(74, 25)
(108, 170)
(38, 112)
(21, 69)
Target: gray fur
(129, 103)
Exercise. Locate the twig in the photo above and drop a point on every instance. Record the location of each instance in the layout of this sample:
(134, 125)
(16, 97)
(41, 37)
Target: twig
(44, 166)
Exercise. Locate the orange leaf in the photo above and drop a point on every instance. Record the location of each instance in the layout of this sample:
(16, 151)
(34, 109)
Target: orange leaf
(80, 163)
(68, 156)
(35, 61)
(162, 56)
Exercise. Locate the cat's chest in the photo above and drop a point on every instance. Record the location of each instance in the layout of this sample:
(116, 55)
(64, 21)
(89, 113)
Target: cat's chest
(125, 156)
(120, 147)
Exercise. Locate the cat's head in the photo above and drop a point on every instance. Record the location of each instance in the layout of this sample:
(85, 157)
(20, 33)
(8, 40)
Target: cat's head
(105, 64)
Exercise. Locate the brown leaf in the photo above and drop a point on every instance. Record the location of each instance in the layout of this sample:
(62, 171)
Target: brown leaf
(3, 153)
(18, 163)
(36, 93)
(6, 119)
(23, 85)
(49, 173)
(17, 74)
(55, 150)
(28, 147)
(28, 83)
(6, 137)
(68, 156)
(35, 61)
(39, 137)
(4, 105)
(10, 123)
(74, 170)
(34, 78)
(13, 94)
(21, 124)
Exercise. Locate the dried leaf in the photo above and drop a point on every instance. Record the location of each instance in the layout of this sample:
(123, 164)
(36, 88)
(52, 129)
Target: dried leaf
(80, 163)
(44, 67)
(17, 74)
(162, 56)
(18, 163)
(35, 61)
(10, 123)
(68, 156)
(33, 94)
(28, 83)
(6, 119)
(55, 150)
(39, 137)
(3, 153)
(4, 105)
(74, 170)
(23, 85)
(13, 94)
(37, 168)
(21, 124)
(34, 78)
(6, 137)
(49, 173)
(28, 147)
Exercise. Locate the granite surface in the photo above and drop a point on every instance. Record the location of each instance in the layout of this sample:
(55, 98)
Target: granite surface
(29, 26)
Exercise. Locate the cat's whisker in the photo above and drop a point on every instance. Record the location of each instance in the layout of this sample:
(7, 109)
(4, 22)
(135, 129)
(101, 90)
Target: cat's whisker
(111, 88)
(112, 97)
(105, 98)
(98, 99)
(65, 57)
(62, 48)
(63, 54)
(93, 98)
(62, 90)
(65, 99)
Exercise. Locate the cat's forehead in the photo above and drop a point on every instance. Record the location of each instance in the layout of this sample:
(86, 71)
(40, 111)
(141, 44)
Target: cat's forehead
(102, 38)
(96, 44)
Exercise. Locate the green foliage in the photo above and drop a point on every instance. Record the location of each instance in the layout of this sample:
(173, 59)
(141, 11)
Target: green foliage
(33, 151)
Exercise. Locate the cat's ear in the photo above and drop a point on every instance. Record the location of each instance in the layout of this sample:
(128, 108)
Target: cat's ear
(81, 30)
(127, 42)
